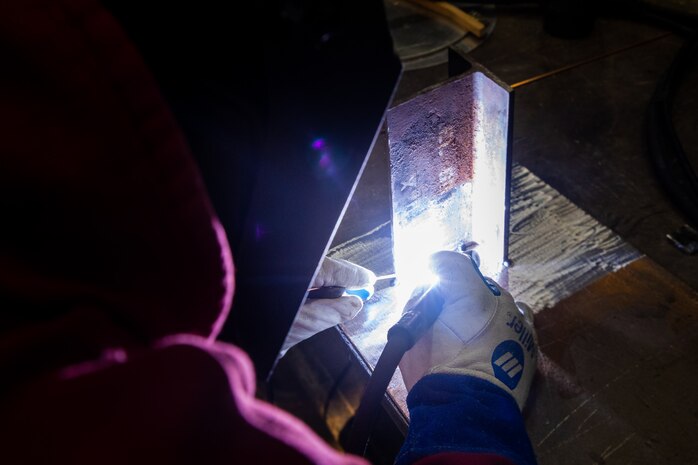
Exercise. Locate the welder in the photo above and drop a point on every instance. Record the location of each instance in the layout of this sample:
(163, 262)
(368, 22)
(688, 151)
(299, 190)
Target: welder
(116, 277)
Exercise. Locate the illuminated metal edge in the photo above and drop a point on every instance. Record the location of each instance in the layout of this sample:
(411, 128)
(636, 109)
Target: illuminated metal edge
(492, 131)
(455, 139)
(450, 170)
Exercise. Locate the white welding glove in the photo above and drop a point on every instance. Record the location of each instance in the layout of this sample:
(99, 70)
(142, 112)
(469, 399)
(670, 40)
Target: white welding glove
(481, 332)
(319, 314)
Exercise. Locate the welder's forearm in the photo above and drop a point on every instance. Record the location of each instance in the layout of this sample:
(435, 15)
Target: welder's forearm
(458, 419)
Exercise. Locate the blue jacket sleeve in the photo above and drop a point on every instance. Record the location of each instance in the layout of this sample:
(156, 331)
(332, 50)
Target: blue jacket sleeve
(464, 420)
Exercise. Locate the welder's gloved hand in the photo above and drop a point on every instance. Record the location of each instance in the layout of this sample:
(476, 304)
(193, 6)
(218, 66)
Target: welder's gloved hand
(481, 331)
(319, 314)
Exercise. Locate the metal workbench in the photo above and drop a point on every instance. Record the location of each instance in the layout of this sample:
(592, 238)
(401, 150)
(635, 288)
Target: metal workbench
(616, 380)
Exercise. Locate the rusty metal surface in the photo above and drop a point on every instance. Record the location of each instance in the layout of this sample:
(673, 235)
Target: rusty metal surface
(449, 163)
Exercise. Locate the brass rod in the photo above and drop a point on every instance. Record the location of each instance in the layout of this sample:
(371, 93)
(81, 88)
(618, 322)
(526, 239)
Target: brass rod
(587, 60)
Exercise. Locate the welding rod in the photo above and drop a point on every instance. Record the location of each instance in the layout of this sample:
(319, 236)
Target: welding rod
(334, 292)
(386, 276)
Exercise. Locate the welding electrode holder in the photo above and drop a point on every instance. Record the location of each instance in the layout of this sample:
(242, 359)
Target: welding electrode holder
(420, 313)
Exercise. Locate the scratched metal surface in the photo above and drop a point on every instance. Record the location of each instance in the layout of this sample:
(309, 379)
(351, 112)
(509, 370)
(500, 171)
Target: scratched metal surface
(556, 249)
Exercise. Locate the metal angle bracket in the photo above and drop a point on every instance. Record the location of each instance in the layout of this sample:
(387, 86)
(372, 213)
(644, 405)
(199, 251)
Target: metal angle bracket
(450, 166)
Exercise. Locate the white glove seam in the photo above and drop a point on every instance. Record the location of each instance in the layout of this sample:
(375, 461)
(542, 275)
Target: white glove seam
(482, 330)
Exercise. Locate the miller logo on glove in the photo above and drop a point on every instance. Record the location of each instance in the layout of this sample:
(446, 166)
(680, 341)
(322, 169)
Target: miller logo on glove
(481, 331)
